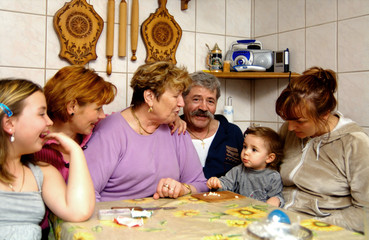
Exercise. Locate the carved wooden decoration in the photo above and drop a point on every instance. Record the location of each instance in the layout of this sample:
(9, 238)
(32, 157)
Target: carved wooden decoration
(78, 27)
(161, 35)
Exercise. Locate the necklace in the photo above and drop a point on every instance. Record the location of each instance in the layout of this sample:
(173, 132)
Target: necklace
(139, 123)
(201, 139)
(11, 186)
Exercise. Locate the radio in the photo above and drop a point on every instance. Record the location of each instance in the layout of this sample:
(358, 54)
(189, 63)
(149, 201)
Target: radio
(281, 61)
(247, 55)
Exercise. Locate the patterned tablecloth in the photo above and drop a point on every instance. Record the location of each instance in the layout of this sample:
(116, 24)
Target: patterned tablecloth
(190, 219)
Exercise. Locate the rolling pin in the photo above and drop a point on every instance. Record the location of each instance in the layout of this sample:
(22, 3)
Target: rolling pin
(110, 35)
(122, 28)
(134, 29)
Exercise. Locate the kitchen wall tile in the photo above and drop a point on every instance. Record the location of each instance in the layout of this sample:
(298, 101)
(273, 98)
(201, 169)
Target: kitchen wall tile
(120, 101)
(221, 101)
(54, 6)
(185, 54)
(265, 95)
(321, 46)
(53, 48)
(291, 15)
(210, 16)
(202, 50)
(295, 42)
(318, 12)
(140, 53)
(353, 96)
(266, 20)
(242, 125)
(35, 75)
(185, 18)
(352, 8)
(353, 47)
(269, 42)
(238, 18)
(15, 49)
(240, 91)
(119, 64)
(25, 6)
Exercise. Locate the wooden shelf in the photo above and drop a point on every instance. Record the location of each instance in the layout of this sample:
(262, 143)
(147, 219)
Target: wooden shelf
(252, 75)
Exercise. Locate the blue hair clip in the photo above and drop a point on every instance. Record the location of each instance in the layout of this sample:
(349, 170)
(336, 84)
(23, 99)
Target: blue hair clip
(6, 110)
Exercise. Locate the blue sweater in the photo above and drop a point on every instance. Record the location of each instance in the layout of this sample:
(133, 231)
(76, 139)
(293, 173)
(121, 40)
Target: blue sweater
(225, 150)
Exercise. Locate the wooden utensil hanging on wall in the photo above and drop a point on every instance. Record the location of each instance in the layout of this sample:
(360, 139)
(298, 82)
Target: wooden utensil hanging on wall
(134, 28)
(78, 27)
(161, 34)
(122, 28)
(110, 35)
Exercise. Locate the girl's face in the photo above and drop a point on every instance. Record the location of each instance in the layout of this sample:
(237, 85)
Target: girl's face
(168, 106)
(86, 117)
(254, 153)
(31, 126)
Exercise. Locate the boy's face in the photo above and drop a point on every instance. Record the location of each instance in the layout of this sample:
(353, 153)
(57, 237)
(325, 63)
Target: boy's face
(255, 154)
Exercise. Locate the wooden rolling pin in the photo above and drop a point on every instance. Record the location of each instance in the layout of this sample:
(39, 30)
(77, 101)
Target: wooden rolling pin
(122, 28)
(134, 29)
(110, 35)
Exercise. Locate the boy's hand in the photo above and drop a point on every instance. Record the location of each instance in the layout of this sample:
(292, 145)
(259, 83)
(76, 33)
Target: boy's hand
(214, 182)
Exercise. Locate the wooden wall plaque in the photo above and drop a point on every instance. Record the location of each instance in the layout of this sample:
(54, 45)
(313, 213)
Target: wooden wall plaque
(78, 27)
(161, 35)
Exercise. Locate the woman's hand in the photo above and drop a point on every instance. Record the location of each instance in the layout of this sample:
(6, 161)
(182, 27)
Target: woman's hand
(178, 124)
(213, 183)
(168, 187)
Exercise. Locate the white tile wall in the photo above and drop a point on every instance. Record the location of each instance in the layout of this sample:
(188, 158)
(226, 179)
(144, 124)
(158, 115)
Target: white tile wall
(329, 33)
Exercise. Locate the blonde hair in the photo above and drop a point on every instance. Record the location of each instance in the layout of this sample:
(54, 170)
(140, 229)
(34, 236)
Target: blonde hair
(13, 92)
(157, 77)
(76, 83)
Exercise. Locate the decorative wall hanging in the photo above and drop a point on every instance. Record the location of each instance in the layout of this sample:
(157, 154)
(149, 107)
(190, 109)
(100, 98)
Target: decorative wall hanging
(161, 35)
(78, 27)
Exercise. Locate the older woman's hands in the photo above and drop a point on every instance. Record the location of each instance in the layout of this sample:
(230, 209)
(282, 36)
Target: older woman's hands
(168, 187)
(178, 124)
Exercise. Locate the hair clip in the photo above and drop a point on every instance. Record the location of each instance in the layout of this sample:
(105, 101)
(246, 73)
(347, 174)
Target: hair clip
(6, 110)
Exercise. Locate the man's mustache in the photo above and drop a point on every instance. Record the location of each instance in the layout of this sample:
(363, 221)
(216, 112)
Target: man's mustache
(201, 113)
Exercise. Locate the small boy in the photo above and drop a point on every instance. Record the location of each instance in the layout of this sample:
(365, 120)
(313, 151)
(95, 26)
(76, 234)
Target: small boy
(257, 176)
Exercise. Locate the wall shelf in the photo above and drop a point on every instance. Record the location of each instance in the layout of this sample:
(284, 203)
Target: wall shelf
(253, 75)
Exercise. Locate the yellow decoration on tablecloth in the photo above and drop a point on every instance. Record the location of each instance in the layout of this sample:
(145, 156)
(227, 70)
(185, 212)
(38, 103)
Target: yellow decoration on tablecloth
(317, 225)
(246, 212)
(189, 199)
(139, 200)
(237, 223)
(83, 236)
(186, 213)
(221, 237)
(57, 231)
(110, 223)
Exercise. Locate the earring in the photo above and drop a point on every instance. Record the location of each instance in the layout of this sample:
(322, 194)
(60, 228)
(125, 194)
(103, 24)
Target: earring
(12, 138)
(72, 114)
(150, 109)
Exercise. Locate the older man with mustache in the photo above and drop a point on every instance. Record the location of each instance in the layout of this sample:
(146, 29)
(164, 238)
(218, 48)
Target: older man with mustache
(217, 141)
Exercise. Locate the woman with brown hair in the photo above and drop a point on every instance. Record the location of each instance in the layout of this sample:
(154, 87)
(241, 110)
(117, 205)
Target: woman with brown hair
(75, 96)
(326, 163)
(132, 153)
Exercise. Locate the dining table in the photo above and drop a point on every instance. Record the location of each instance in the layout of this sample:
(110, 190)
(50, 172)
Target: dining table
(203, 216)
